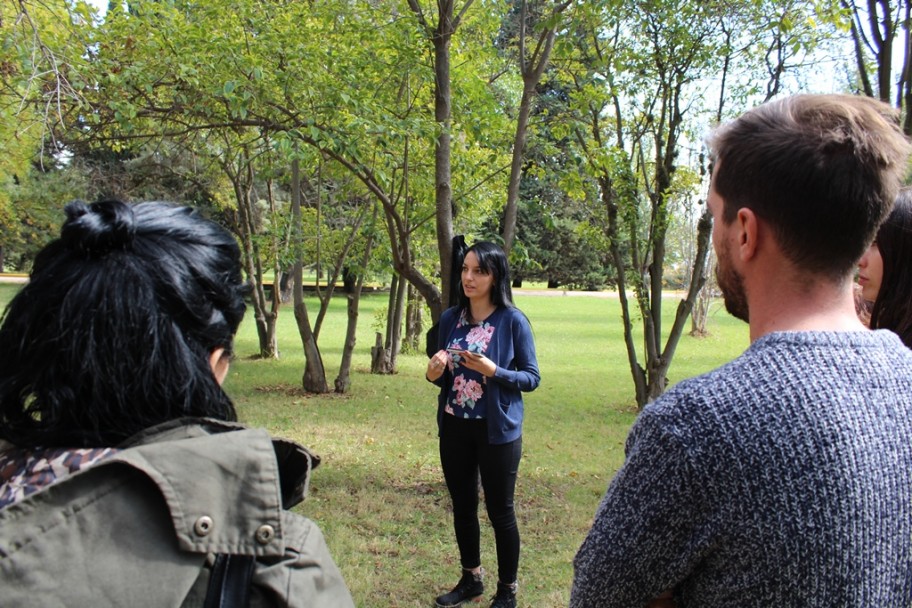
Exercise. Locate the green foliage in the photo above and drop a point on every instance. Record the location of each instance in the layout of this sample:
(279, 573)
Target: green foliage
(40, 51)
(35, 213)
(347, 90)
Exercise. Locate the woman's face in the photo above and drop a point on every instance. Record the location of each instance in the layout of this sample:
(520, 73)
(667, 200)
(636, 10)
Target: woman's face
(870, 272)
(476, 282)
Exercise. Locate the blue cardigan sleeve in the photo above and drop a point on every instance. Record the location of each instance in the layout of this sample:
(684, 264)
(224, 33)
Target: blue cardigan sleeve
(444, 327)
(523, 374)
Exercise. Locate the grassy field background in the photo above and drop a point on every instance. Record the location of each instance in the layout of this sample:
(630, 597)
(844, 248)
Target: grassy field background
(379, 495)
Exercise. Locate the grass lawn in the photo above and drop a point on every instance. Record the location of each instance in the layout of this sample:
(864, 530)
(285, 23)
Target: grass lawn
(379, 495)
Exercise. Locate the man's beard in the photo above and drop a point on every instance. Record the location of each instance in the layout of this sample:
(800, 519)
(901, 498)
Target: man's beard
(732, 286)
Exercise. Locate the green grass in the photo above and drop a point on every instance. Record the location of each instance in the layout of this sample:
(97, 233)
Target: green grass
(379, 495)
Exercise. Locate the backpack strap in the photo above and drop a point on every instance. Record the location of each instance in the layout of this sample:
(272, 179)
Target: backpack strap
(229, 581)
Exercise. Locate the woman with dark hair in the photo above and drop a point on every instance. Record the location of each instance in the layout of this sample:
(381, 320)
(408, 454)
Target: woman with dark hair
(124, 478)
(485, 360)
(885, 271)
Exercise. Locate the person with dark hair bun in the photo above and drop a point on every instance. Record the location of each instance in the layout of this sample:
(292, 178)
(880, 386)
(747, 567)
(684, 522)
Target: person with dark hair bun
(124, 476)
(484, 362)
(885, 272)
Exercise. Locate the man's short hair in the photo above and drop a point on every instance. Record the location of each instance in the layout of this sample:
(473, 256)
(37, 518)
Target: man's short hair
(822, 170)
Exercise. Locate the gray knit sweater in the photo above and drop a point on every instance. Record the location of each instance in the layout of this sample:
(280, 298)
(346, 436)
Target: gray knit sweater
(781, 479)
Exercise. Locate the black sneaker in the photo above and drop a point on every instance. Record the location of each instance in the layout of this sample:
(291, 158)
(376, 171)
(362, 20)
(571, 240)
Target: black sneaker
(505, 597)
(470, 586)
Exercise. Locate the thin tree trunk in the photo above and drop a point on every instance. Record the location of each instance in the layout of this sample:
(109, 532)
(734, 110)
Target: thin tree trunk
(413, 324)
(442, 171)
(276, 299)
(440, 36)
(519, 144)
(700, 314)
(531, 71)
(905, 83)
(264, 318)
(314, 378)
(383, 355)
(326, 297)
(343, 380)
(637, 373)
(391, 304)
(396, 328)
(379, 356)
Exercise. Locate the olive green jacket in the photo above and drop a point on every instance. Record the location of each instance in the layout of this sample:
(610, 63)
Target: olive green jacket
(141, 527)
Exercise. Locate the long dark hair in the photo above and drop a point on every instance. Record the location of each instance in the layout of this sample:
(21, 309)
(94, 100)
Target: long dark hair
(492, 259)
(893, 306)
(114, 330)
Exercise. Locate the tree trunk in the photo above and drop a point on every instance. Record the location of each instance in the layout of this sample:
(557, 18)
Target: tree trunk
(905, 81)
(700, 314)
(349, 280)
(391, 303)
(386, 363)
(414, 333)
(380, 362)
(531, 70)
(659, 371)
(440, 36)
(637, 373)
(314, 378)
(338, 266)
(519, 144)
(343, 380)
(264, 318)
(442, 171)
(285, 285)
(396, 325)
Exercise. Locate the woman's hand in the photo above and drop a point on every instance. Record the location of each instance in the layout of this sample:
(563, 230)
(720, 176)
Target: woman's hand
(478, 363)
(437, 365)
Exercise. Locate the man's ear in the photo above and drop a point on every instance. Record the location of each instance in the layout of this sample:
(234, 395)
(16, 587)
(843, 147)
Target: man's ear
(219, 363)
(748, 233)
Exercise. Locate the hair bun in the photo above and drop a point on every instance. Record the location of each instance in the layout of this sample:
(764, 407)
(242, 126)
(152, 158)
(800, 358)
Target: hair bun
(99, 228)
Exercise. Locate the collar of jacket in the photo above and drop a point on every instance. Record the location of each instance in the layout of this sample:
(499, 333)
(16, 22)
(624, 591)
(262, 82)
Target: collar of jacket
(212, 482)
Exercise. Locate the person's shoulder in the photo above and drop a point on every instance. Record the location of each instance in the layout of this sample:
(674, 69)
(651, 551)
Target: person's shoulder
(515, 315)
(306, 575)
(697, 405)
(449, 315)
(776, 368)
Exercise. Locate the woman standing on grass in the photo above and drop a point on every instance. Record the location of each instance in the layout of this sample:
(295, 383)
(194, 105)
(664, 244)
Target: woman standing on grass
(885, 271)
(486, 359)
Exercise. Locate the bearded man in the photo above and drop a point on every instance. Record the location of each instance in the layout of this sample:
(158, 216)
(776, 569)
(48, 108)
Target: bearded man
(783, 478)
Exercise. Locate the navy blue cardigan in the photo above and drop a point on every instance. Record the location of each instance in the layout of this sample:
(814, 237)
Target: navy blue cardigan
(512, 349)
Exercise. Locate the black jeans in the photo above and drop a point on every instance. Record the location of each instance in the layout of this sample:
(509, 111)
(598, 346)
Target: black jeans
(464, 451)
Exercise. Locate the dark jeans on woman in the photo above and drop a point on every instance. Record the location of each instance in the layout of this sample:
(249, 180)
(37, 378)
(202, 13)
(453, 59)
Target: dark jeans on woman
(464, 450)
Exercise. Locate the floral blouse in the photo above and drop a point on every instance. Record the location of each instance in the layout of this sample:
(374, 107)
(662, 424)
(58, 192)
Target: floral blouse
(26, 471)
(467, 393)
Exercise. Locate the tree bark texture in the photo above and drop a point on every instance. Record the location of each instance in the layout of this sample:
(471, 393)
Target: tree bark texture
(314, 377)
(343, 380)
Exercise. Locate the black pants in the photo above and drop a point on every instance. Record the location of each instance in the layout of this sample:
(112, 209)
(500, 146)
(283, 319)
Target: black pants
(464, 450)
